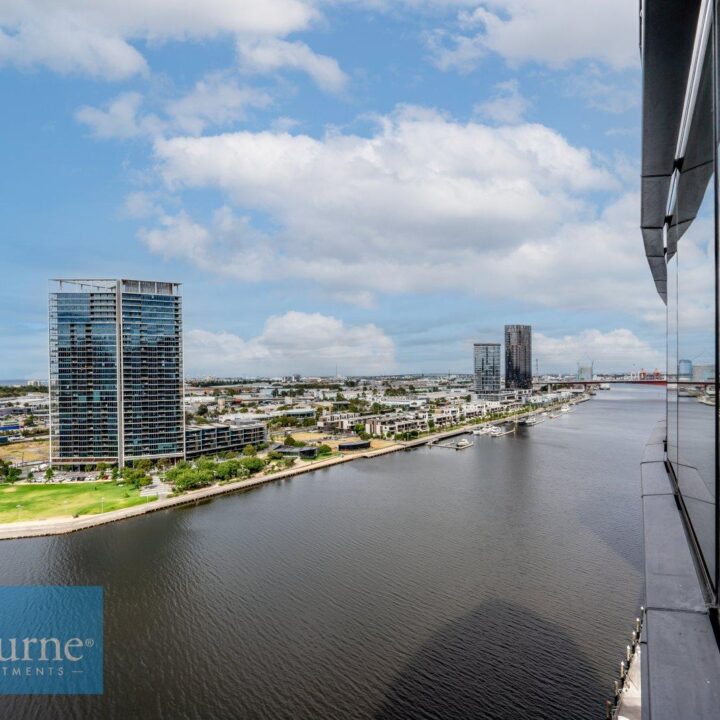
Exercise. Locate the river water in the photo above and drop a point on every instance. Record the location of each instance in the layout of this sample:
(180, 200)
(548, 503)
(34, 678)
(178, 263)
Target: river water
(501, 581)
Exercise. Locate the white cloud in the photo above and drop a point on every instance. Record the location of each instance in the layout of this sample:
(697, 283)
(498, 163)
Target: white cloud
(179, 236)
(95, 36)
(506, 106)
(423, 205)
(270, 54)
(603, 91)
(119, 118)
(419, 179)
(553, 32)
(614, 351)
(307, 343)
(215, 100)
(141, 205)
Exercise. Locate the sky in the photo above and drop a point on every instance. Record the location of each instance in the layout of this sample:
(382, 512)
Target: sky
(367, 185)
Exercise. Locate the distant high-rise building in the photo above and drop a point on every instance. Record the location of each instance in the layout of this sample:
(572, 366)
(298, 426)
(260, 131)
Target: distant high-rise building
(518, 357)
(585, 372)
(116, 371)
(487, 367)
(685, 369)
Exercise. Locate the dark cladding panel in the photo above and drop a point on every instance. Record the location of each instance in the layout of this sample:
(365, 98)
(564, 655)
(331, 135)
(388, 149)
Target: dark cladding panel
(668, 35)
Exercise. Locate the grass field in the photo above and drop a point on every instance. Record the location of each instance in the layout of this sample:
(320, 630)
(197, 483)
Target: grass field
(31, 451)
(39, 501)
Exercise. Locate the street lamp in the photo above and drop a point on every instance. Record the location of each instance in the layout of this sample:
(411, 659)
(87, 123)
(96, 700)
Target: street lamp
(102, 504)
(19, 508)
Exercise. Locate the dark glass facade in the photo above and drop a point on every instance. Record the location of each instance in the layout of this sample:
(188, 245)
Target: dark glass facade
(116, 372)
(151, 371)
(83, 375)
(680, 232)
(518, 357)
(679, 650)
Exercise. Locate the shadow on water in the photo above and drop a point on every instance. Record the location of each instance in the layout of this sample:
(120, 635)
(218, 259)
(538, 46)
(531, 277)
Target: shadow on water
(475, 667)
(620, 530)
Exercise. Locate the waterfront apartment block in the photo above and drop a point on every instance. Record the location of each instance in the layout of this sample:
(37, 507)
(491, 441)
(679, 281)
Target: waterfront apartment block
(116, 371)
(518, 357)
(397, 423)
(218, 438)
(487, 368)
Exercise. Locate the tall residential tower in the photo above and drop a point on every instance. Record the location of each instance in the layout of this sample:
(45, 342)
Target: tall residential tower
(116, 371)
(518, 357)
(487, 368)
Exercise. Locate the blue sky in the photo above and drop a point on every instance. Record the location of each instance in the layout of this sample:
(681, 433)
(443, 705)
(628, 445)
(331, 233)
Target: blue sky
(355, 183)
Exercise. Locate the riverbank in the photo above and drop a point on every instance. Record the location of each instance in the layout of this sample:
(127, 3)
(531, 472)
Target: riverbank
(63, 525)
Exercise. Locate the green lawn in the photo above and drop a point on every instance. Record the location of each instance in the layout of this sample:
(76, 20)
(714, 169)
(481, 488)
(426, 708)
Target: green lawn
(39, 501)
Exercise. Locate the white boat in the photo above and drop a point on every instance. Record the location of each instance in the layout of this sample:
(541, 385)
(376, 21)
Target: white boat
(498, 431)
(481, 431)
(462, 444)
(565, 409)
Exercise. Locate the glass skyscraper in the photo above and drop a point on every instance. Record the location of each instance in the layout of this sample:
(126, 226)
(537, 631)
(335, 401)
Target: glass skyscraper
(487, 367)
(518, 357)
(116, 371)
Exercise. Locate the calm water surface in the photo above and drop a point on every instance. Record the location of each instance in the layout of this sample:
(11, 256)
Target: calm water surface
(497, 582)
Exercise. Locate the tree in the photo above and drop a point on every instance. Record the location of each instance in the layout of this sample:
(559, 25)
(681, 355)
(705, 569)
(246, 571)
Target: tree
(290, 441)
(253, 464)
(249, 451)
(202, 410)
(30, 421)
(49, 474)
(12, 475)
(145, 465)
(135, 477)
(324, 450)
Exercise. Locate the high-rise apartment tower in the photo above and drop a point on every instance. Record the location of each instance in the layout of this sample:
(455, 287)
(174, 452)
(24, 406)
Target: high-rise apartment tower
(116, 371)
(487, 367)
(518, 357)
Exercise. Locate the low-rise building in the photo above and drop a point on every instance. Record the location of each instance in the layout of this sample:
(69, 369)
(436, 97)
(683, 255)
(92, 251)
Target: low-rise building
(338, 420)
(219, 437)
(397, 423)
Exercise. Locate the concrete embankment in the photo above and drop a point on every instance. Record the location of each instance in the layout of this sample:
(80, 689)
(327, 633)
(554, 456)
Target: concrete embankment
(60, 526)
